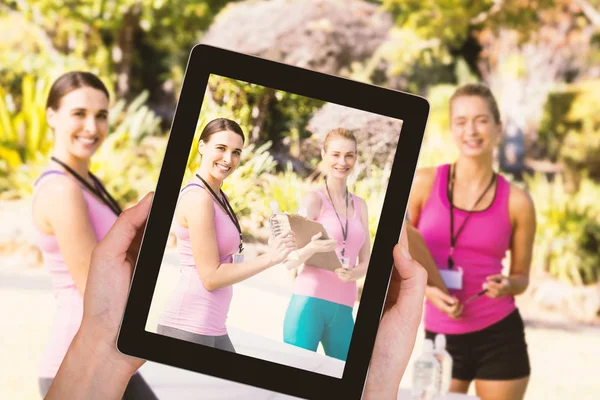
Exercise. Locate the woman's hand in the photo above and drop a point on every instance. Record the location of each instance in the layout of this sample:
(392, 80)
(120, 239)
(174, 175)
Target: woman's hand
(93, 368)
(346, 274)
(280, 247)
(497, 286)
(447, 304)
(317, 245)
(398, 327)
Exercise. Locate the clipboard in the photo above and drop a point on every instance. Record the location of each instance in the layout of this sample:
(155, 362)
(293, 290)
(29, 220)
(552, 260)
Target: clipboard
(304, 229)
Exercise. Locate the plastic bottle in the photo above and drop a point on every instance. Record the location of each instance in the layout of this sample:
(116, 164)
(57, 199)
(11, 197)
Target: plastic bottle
(426, 374)
(279, 223)
(445, 361)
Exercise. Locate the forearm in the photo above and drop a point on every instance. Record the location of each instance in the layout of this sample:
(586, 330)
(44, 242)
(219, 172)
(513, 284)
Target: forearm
(89, 371)
(391, 354)
(227, 274)
(304, 254)
(360, 270)
(518, 284)
(79, 270)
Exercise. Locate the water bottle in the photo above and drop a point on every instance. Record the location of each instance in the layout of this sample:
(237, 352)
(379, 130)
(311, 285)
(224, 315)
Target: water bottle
(445, 360)
(426, 374)
(280, 224)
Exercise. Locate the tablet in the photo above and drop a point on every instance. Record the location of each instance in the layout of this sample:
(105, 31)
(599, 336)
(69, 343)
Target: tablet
(260, 331)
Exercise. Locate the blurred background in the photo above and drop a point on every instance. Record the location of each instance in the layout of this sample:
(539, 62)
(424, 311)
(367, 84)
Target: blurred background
(541, 59)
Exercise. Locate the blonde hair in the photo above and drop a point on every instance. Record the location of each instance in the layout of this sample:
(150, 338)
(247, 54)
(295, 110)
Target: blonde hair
(477, 89)
(339, 133)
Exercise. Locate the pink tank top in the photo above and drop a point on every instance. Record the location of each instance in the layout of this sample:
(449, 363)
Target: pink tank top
(323, 284)
(479, 251)
(69, 303)
(192, 308)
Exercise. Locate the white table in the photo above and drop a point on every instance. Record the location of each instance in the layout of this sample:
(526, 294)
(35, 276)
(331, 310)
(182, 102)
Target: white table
(404, 394)
(173, 383)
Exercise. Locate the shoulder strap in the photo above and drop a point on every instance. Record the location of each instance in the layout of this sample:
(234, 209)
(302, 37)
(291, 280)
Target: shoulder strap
(324, 199)
(356, 204)
(189, 185)
(46, 173)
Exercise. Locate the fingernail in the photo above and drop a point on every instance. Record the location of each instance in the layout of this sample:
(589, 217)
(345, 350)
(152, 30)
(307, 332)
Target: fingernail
(405, 253)
(147, 196)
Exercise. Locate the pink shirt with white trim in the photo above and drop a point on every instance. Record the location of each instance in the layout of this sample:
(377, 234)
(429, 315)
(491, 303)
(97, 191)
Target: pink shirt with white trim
(69, 303)
(192, 308)
(323, 284)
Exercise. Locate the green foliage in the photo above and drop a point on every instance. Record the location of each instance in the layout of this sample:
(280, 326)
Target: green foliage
(453, 20)
(132, 146)
(448, 20)
(372, 190)
(265, 115)
(438, 145)
(287, 189)
(568, 230)
(570, 130)
(431, 36)
(25, 139)
(24, 133)
(162, 30)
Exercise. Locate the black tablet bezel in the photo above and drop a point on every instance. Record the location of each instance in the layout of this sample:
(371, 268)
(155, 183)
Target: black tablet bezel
(134, 340)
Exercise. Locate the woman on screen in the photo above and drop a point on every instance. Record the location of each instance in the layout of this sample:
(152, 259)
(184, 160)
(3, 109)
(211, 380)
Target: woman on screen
(72, 210)
(470, 216)
(320, 310)
(210, 244)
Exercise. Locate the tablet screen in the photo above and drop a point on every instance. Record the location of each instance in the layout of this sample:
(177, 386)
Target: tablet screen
(274, 153)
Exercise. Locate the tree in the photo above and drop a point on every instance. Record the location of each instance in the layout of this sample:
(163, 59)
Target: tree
(111, 34)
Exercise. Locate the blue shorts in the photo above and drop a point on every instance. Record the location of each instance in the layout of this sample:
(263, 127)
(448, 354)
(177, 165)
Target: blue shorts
(309, 320)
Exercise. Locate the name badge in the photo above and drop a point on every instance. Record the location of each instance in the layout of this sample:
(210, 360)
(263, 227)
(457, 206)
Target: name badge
(345, 262)
(238, 258)
(453, 278)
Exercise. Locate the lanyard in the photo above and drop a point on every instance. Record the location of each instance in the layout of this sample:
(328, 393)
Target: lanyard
(224, 203)
(98, 189)
(344, 232)
(453, 237)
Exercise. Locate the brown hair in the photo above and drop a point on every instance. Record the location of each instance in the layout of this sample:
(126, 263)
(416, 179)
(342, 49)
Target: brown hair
(220, 125)
(477, 89)
(340, 133)
(71, 81)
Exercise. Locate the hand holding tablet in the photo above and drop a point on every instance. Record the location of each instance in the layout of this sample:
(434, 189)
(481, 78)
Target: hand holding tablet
(94, 369)
(208, 273)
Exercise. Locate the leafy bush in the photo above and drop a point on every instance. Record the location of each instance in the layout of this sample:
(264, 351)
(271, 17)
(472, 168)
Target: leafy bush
(570, 130)
(568, 231)
(25, 139)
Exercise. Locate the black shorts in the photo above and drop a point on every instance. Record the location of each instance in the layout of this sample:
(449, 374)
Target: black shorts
(498, 352)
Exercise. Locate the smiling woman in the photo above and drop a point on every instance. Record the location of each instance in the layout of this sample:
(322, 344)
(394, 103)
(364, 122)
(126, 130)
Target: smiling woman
(210, 244)
(320, 309)
(469, 217)
(72, 210)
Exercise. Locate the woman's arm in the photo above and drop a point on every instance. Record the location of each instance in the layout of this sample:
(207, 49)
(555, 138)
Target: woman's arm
(198, 212)
(63, 205)
(522, 214)
(420, 252)
(421, 189)
(312, 204)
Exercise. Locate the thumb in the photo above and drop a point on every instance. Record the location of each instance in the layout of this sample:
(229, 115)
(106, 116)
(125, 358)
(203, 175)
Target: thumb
(406, 266)
(316, 236)
(403, 240)
(121, 234)
(450, 300)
